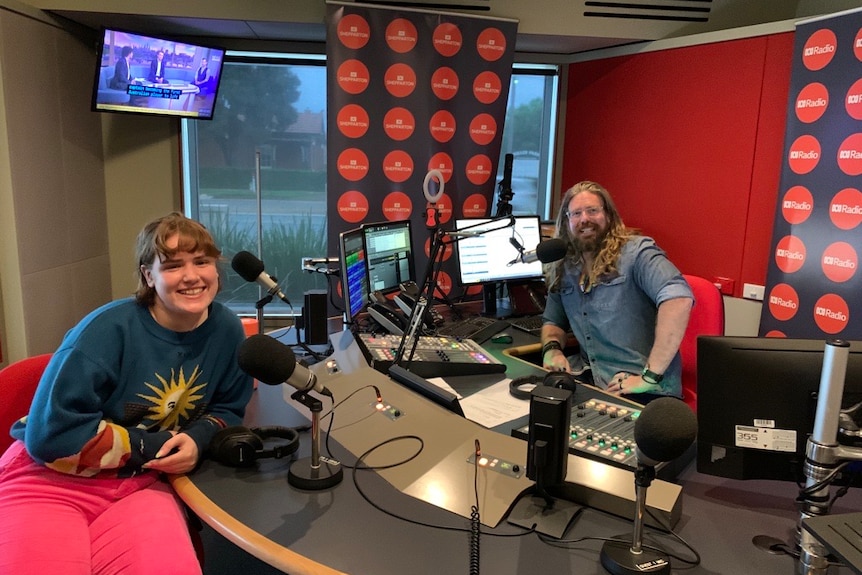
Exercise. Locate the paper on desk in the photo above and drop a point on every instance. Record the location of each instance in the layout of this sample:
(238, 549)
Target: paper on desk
(492, 406)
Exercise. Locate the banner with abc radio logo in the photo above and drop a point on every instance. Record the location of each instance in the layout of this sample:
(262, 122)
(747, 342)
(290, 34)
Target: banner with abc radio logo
(813, 285)
(410, 91)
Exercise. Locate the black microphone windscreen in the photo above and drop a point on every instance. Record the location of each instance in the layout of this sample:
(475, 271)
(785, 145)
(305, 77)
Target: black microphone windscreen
(665, 428)
(247, 265)
(551, 250)
(266, 359)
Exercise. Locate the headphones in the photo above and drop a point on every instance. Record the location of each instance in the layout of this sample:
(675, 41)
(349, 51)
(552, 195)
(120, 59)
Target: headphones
(521, 387)
(239, 446)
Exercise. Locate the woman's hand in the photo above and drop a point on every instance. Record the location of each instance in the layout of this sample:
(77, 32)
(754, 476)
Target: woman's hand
(179, 454)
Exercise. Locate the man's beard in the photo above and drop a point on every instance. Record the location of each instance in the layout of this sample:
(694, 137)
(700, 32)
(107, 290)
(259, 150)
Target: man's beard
(592, 244)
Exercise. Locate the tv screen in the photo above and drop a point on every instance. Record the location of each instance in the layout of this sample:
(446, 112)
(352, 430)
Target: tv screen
(756, 403)
(389, 250)
(151, 75)
(354, 273)
(493, 256)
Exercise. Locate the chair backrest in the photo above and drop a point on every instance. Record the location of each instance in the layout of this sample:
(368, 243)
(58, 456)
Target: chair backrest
(707, 318)
(18, 383)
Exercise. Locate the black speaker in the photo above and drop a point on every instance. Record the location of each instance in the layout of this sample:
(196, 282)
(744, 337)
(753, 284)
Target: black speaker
(314, 317)
(548, 436)
(239, 446)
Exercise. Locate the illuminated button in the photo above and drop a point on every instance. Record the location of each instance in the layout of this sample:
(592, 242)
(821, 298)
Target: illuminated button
(483, 461)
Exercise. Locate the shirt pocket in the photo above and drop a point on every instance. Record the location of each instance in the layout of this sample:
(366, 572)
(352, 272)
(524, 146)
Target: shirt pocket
(611, 294)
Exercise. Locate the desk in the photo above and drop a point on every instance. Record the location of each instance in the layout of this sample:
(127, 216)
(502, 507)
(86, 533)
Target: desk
(337, 531)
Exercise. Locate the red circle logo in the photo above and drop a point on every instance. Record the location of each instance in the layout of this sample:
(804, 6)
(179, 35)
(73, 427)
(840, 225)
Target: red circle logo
(483, 129)
(352, 121)
(400, 80)
(797, 205)
(790, 254)
(397, 206)
(447, 39)
(397, 166)
(819, 49)
(839, 262)
(831, 313)
(443, 254)
(804, 154)
(811, 102)
(352, 77)
(445, 83)
(401, 35)
(475, 206)
(444, 285)
(783, 302)
(775, 333)
(853, 101)
(478, 169)
(352, 206)
(442, 126)
(850, 155)
(353, 31)
(845, 210)
(399, 124)
(487, 87)
(491, 44)
(352, 164)
(443, 162)
(444, 208)
(857, 45)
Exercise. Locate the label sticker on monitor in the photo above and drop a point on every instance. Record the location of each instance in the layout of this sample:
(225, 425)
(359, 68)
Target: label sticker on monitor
(765, 438)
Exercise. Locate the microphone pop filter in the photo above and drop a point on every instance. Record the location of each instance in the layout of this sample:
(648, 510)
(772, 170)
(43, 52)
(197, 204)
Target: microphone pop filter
(665, 428)
(551, 250)
(266, 359)
(247, 265)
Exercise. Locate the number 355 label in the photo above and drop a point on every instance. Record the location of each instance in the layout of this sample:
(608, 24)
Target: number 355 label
(765, 438)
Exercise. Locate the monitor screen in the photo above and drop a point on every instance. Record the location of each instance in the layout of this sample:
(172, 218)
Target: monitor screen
(389, 248)
(354, 272)
(756, 403)
(493, 256)
(152, 75)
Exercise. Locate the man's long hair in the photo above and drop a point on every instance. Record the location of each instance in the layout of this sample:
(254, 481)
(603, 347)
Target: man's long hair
(610, 245)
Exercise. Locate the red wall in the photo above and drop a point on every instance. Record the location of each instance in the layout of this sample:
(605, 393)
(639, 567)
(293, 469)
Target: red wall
(689, 143)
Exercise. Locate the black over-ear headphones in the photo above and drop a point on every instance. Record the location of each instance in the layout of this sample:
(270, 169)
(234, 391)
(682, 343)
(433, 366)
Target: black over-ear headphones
(521, 387)
(239, 446)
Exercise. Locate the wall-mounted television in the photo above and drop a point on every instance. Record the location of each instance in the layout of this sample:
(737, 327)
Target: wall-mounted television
(143, 74)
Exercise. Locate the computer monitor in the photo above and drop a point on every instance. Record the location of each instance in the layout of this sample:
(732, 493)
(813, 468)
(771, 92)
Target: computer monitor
(493, 257)
(389, 249)
(354, 272)
(756, 403)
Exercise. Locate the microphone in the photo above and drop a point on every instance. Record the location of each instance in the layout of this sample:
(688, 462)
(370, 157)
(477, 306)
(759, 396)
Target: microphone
(268, 360)
(250, 268)
(547, 251)
(664, 431)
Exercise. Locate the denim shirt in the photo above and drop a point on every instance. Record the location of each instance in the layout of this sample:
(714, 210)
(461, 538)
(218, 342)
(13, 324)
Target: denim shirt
(614, 322)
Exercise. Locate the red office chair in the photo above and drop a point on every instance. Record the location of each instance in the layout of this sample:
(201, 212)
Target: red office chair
(707, 318)
(17, 385)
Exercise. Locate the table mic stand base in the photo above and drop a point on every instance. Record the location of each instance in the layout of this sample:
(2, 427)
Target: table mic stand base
(618, 559)
(303, 476)
(533, 512)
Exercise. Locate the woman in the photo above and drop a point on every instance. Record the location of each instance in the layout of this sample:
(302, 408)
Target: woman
(136, 389)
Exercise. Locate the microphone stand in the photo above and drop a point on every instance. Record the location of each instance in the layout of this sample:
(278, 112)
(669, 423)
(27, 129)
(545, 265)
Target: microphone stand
(617, 556)
(313, 473)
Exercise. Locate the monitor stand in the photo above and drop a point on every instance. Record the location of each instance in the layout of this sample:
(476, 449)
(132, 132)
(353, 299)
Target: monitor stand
(491, 306)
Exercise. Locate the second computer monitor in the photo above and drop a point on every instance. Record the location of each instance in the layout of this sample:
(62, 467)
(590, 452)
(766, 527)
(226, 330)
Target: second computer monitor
(354, 272)
(389, 249)
(494, 256)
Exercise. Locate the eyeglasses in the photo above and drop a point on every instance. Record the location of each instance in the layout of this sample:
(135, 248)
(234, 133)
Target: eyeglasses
(591, 212)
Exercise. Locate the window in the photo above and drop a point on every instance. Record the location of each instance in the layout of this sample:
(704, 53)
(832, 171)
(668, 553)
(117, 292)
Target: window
(269, 129)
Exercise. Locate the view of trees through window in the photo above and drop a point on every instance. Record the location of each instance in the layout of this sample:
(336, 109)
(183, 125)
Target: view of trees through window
(269, 132)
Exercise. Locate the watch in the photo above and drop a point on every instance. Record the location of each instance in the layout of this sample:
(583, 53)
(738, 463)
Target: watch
(651, 377)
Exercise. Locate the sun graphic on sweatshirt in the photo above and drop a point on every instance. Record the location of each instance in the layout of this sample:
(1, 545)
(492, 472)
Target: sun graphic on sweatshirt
(175, 400)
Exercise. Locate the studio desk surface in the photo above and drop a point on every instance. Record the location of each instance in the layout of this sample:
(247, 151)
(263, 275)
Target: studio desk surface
(337, 530)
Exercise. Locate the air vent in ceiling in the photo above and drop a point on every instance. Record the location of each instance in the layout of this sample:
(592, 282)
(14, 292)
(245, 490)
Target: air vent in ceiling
(665, 10)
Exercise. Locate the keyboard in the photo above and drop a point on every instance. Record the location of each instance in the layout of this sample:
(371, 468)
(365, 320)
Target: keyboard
(478, 328)
(531, 324)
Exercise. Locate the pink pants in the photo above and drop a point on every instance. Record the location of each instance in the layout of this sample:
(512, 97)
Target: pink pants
(53, 523)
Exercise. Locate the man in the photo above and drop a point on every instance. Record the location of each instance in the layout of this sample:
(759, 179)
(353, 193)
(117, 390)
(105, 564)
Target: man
(157, 68)
(123, 70)
(624, 301)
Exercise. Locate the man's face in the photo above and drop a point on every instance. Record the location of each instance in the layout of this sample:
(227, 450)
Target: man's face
(588, 221)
